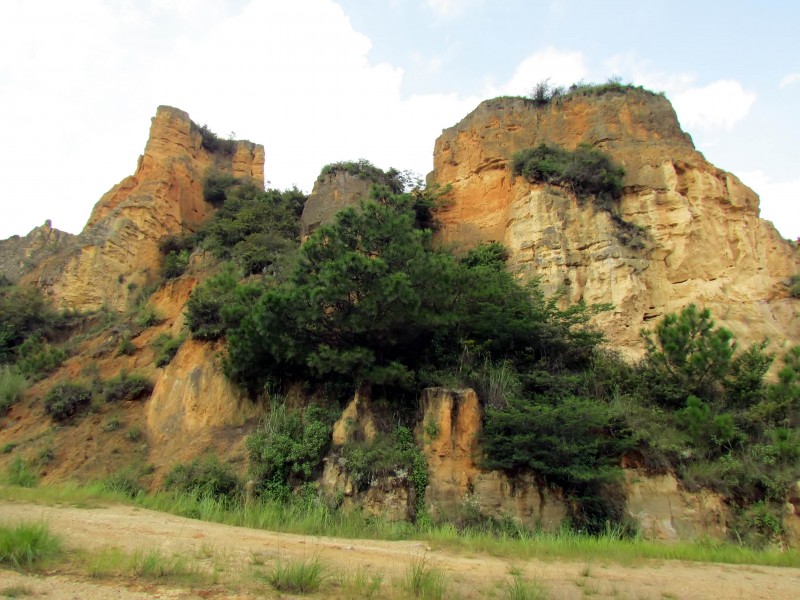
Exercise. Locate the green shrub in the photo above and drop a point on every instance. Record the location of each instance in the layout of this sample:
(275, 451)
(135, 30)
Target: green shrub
(759, 525)
(126, 346)
(217, 186)
(19, 473)
(134, 434)
(12, 387)
(744, 382)
(215, 144)
(204, 478)
(287, 448)
(258, 229)
(127, 387)
(166, 348)
(37, 358)
(544, 93)
(574, 443)
(174, 264)
(24, 314)
(147, 316)
(687, 355)
(65, 400)
(390, 454)
(395, 180)
(781, 404)
(112, 424)
(794, 286)
(219, 304)
(585, 170)
(26, 545)
(370, 299)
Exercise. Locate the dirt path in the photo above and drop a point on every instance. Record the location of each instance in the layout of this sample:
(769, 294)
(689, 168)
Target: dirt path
(470, 576)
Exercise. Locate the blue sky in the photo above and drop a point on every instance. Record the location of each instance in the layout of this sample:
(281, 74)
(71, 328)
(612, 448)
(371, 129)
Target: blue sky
(317, 81)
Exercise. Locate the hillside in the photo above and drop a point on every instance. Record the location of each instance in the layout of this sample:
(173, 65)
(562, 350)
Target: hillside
(404, 363)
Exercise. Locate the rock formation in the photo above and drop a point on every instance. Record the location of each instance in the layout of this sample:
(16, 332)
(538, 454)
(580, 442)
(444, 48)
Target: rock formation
(19, 255)
(700, 238)
(332, 192)
(118, 249)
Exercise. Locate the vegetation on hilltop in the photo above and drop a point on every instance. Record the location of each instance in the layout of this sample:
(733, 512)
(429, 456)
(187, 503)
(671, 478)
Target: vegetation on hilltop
(543, 93)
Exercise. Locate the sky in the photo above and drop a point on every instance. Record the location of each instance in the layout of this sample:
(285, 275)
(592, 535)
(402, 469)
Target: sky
(318, 81)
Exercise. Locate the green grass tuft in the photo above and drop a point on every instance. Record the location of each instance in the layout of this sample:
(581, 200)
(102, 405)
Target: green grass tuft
(19, 473)
(519, 589)
(26, 545)
(423, 580)
(301, 576)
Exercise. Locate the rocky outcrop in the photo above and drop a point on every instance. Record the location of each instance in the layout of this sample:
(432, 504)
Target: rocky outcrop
(331, 193)
(118, 249)
(389, 497)
(665, 512)
(698, 236)
(192, 403)
(449, 433)
(357, 423)
(19, 255)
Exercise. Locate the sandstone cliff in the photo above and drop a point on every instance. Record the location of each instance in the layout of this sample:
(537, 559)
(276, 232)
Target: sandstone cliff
(19, 255)
(118, 249)
(332, 192)
(701, 238)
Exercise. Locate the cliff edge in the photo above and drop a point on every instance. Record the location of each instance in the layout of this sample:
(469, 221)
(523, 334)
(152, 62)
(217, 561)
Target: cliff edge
(117, 251)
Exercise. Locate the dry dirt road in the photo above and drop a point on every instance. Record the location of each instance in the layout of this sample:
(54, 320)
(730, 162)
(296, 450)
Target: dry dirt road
(245, 552)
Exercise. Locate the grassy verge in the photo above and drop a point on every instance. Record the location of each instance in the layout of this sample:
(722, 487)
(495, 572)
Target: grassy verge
(318, 519)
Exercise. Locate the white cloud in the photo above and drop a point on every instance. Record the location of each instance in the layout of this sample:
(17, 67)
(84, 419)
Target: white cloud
(789, 80)
(720, 104)
(557, 66)
(780, 201)
(717, 105)
(452, 8)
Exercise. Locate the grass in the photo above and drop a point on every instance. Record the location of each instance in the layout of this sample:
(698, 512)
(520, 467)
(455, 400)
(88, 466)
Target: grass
(361, 584)
(423, 580)
(20, 474)
(16, 591)
(519, 589)
(318, 519)
(12, 385)
(144, 564)
(27, 545)
(300, 576)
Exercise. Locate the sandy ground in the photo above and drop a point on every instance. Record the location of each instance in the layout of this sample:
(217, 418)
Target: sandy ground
(469, 575)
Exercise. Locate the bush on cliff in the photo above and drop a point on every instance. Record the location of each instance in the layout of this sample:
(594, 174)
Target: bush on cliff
(585, 170)
(257, 229)
(24, 313)
(65, 400)
(287, 448)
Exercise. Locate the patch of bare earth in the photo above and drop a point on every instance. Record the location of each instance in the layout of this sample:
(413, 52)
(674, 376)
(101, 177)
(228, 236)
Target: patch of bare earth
(248, 552)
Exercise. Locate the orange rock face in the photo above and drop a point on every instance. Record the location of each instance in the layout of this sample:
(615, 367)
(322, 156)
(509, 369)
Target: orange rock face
(119, 245)
(700, 238)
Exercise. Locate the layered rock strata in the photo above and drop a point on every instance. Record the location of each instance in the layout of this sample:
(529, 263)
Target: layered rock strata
(19, 255)
(697, 236)
(332, 192)
(117, 252)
